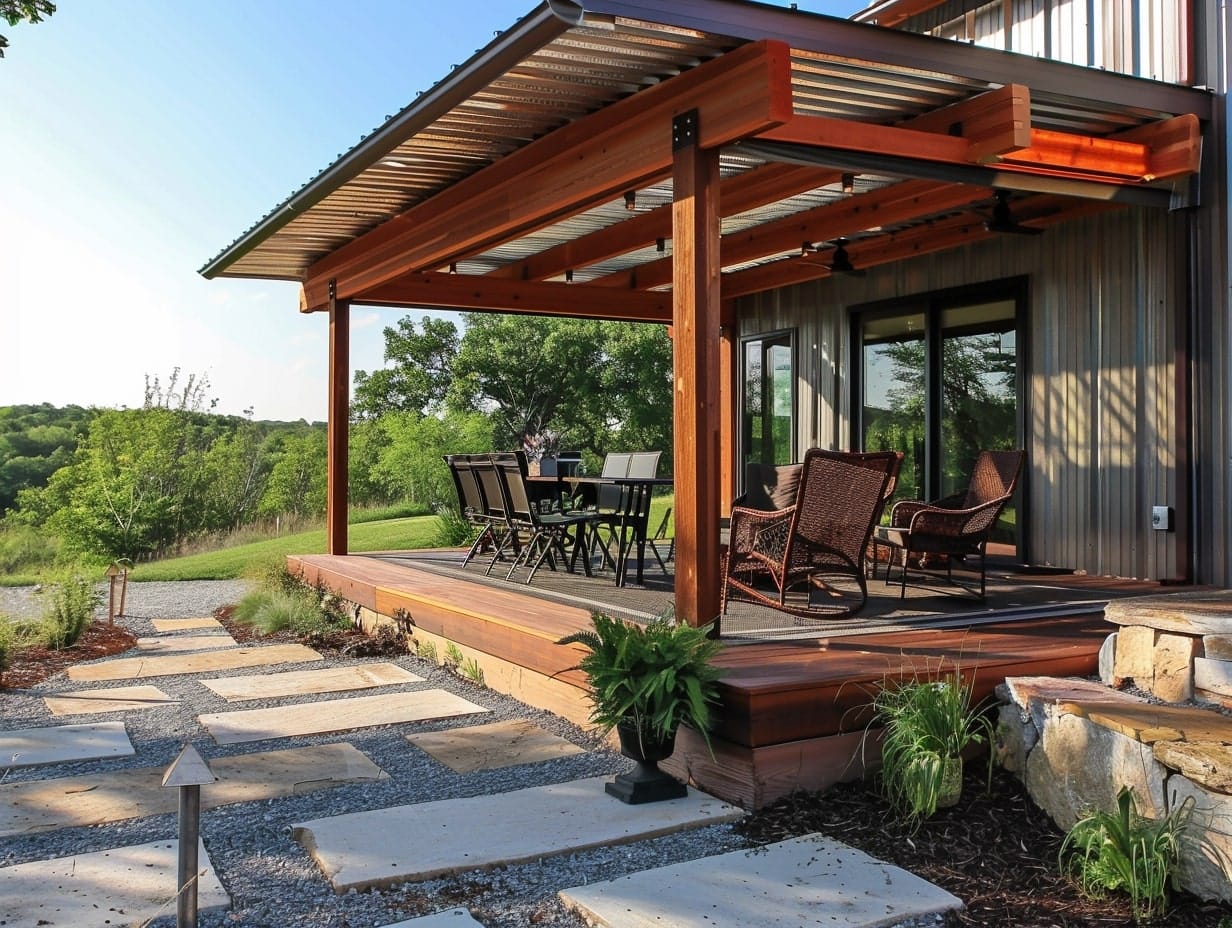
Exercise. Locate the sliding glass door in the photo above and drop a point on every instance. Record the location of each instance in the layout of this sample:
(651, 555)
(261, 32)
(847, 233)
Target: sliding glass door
(939, 380)
(768, 400)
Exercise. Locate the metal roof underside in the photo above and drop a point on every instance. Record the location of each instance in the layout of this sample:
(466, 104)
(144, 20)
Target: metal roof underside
(549, 70)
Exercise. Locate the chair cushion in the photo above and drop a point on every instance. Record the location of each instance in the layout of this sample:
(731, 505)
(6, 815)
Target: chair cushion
(770, 487)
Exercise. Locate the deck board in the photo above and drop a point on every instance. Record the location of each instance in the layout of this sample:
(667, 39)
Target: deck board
(791, 710)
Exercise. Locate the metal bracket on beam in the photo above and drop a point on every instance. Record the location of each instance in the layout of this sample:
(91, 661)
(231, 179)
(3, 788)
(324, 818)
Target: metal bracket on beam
(684, 130)
(333, 289)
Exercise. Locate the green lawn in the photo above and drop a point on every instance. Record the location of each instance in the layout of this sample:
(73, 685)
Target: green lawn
(228, 563)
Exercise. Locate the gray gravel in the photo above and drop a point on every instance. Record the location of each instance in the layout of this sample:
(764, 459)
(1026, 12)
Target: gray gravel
(271, 879)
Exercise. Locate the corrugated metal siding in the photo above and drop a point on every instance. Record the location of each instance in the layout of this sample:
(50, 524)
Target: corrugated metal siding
(1100, 415)
(1146, 38)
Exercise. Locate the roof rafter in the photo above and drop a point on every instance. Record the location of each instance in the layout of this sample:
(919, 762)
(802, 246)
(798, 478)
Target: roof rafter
(578, 166)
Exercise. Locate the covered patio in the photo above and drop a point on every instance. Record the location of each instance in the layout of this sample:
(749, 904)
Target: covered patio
(689, 164)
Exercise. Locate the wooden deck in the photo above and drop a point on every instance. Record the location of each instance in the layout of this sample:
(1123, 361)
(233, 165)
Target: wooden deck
(793, 712)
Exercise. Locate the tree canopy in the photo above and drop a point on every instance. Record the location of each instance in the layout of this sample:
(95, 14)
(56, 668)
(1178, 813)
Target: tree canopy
(16, 11)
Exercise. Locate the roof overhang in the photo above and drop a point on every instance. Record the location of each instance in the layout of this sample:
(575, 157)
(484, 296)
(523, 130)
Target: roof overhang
(515, 167)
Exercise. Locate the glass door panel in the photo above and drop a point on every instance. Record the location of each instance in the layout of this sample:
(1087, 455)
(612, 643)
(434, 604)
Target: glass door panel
(893, 378)
(768, 420)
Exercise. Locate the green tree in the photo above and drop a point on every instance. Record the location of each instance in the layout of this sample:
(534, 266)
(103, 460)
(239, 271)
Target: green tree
(236, 470)
(297, 481)
(412, 462)
(419, 367)
(16, 11)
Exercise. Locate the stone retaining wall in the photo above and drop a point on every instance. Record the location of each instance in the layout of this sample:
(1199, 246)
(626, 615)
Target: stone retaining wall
(1075, 743)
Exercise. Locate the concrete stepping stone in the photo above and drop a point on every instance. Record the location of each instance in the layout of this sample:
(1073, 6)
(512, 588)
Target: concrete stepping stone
(33, 747)
(122, 886)
(455, 835)
(116, 699)
(487, 747)
(308, 682)
(159, 644)
(96, 799)
(325, 717)
(183, 625)
(138, 668)
(451, 918)
(812, 880)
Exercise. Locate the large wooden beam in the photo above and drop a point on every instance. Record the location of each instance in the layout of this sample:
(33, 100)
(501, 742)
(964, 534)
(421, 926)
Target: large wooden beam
(471, 292)
(885, 206)
(578, 166)
(992, 122)
(764, 184)
(696, 372)
(336, 461)
(1176, 145)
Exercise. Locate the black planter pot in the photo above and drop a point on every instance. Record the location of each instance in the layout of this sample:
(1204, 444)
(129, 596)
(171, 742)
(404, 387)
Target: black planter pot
(647, 783)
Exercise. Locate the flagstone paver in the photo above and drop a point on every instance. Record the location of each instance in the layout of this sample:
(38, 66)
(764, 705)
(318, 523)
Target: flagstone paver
(812, 880)
(324, 717)
(33, 747)
(451, 918)
(455, 835)
(95, 799)
(158, 644)
(121, 886)
(486, 747)
(163, 665)
(116, 699)
(183, 625)
(308, 682)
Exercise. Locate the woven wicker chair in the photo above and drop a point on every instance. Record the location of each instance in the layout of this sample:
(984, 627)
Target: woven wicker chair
(955, 528)
(808, 559)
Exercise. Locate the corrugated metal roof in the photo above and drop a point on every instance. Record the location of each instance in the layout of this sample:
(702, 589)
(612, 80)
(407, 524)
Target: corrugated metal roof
(552, 69)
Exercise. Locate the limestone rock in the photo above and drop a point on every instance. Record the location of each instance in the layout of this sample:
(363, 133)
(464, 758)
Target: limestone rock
(1205, 612)
(1217, 647)
(1174, 657)
(1135, 655)
(1079, 765)
(1207, 763)
(1213, 676)
(1206, 855)
(1107, 661)
(1015, 737)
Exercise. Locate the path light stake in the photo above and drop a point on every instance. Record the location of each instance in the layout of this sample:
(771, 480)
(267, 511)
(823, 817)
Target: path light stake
(188, 772)
(112, 572)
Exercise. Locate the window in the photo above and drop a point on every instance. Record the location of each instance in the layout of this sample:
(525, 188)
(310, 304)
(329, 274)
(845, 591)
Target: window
(939, 381)
(768, 400)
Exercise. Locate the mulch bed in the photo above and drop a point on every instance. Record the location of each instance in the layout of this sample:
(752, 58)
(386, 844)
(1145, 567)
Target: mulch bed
(996, 850)
(33, 665)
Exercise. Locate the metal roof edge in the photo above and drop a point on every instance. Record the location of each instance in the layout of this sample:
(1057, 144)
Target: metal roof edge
(534, 30)
(847, 38)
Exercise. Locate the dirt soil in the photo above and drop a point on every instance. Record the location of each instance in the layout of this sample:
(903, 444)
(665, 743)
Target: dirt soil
(997, 851)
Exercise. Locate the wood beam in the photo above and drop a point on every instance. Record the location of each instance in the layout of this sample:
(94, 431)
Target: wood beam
(846, 135)
(471, 292)
(764, 184)
(336, 461)
(1175, 144)
(580, 165)
(964, 229)
(992, 122)
(1115, 157)
(886, 206)
(696, 373)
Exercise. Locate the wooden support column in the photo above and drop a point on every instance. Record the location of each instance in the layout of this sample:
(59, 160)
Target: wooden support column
(337, 430)
(696, 320)
(728, 394)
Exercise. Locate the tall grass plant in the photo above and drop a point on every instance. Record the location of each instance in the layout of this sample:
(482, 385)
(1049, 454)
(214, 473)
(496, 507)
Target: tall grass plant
(71, 602)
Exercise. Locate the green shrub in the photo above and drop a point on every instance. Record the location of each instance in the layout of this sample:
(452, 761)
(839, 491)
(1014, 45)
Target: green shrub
(71, 602)
(1123, 852)
(25, 549)
(8, 643)
(453, 530)
(284, 602)
(928, 724)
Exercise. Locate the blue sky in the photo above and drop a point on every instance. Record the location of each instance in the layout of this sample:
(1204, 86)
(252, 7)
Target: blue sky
(140, 137)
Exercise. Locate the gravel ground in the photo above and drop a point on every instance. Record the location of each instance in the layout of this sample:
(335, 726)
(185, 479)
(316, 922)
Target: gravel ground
(271, 879)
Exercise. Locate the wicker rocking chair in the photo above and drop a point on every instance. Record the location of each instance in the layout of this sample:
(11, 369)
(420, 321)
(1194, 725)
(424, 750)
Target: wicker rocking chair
(808, 559)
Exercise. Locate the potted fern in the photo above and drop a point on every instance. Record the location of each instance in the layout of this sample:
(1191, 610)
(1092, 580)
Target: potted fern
(645, 681)
(927, 726)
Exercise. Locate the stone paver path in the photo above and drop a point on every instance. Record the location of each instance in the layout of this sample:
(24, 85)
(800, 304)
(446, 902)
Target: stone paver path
(139, 668)
(450, 918)
(94, 799)
(806, 881)
(183, 625)
(308, 682)
(487, 747)
(121, 886)
(325, 717)
(171, 644)
(32, 747)
(115, 699)
(483, 831)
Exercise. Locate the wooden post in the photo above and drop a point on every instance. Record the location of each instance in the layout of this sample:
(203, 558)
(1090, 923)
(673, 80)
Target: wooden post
(339, 416)
(695, 320)
(728, 397)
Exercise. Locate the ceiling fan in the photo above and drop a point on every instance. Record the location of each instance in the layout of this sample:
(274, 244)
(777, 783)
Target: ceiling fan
(1002, 219)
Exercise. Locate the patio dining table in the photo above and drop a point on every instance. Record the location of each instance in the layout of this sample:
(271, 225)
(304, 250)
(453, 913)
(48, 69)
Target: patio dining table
(634, 509)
